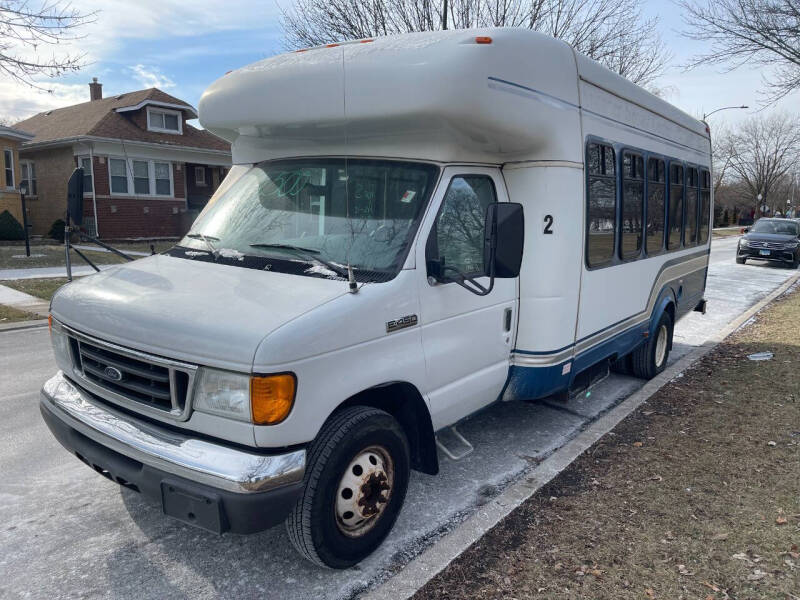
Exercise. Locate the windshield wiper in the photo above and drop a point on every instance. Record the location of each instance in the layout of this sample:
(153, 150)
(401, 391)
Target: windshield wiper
(207, 241)
(309, 254)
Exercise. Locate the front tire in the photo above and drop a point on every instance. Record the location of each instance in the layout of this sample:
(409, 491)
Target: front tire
(740, 260)
(650, 359)
(355, 484)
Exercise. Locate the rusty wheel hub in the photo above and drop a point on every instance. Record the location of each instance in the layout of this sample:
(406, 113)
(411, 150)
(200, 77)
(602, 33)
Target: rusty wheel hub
(364, 491)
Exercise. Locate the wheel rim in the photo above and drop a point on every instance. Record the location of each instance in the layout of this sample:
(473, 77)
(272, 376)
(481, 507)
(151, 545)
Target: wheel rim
(364, 491)
(661, 345)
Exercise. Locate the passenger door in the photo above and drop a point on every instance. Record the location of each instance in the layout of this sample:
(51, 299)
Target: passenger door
(467, 339)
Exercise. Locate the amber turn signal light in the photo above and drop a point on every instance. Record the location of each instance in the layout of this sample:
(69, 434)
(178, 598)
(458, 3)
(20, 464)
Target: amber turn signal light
(483, 39)
(271, 398)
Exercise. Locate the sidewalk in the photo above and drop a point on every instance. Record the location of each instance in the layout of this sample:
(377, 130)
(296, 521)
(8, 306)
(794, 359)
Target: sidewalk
(47, 272)
(24, 302)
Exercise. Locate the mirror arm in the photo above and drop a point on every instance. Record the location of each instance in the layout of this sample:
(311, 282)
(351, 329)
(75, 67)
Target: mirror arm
(462, 281)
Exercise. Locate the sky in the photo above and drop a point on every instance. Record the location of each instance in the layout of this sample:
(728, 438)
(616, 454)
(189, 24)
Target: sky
(183, 47)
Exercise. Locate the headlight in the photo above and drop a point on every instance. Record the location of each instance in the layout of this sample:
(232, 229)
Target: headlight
(744, 242)
(263, 400)
(61, 349)
(790, 245)
(223, 393)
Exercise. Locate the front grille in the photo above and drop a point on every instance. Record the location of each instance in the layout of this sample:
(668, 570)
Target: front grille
(138, 381)
(769, 245)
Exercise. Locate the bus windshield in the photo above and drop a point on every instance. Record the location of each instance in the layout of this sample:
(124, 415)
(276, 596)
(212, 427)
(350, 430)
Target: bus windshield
(333, 212)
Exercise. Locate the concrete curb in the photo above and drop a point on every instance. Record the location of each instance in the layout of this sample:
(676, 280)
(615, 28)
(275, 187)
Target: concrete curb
(20, 325)
(433, 560)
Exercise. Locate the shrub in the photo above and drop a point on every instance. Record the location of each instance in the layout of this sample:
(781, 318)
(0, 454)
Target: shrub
(10, 229)
(57, 230)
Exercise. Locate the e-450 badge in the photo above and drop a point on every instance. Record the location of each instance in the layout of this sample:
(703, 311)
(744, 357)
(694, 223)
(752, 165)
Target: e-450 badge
(401, 323)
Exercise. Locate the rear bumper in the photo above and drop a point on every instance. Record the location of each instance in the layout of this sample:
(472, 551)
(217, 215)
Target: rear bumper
(210, 485)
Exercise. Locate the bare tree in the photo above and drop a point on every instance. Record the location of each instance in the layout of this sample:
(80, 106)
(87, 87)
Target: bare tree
(723, 146)
(765, 150)
(26, 29)
(613, 32)
(765, 33)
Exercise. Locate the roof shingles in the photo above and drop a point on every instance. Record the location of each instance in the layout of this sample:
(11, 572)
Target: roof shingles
(99, 118)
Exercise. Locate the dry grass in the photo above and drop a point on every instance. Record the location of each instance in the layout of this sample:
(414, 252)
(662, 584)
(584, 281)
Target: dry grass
(42, 288)
(13, 257)
(695, 495)
(12, 315)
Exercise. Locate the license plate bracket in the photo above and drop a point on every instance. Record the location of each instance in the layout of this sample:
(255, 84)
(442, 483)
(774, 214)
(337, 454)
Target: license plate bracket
(192, 506)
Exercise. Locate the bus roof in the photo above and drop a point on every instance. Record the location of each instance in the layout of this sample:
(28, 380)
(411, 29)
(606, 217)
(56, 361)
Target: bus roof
(487, 95)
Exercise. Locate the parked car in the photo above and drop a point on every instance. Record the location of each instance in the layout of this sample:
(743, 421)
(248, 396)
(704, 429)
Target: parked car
(354, 285)
(775, 240)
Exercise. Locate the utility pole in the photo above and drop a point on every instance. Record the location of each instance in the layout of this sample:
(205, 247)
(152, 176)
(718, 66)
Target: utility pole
(444, 15)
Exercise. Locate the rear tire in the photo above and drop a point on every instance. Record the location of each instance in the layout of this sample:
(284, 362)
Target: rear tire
(740, 260)
(649, 359)
(355, 483)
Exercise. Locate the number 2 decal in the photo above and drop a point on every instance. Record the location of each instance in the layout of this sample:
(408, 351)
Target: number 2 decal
(548, 224)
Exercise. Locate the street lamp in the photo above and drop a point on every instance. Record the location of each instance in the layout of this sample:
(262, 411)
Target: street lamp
(705, 116)
(23, 190)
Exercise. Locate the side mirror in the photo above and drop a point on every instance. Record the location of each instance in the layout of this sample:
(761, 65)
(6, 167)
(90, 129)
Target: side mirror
(746, 230)
(75, 197)
(504, 239)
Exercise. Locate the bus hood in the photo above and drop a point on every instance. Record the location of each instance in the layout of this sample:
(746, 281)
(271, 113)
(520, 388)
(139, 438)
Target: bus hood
(198, 312)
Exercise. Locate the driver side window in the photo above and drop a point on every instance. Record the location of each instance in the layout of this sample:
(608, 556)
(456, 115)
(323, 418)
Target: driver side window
(459, 227)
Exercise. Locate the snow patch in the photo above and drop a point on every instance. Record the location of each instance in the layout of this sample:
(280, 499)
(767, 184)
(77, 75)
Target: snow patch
(197, 253)
(322, 270)
(230, 253)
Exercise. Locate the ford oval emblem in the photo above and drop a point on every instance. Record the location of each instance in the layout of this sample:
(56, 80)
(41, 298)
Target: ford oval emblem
(113, 374)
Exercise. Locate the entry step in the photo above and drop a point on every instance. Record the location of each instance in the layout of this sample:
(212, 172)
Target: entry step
(453, 444)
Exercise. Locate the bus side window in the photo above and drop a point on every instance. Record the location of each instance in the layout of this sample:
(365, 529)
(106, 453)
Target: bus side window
(705, 204)
(675, 216)
(656, 189)
(601, 200)
(691, 207)
(632, 205)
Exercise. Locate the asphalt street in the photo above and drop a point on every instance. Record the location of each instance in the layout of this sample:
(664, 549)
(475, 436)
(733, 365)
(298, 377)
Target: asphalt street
(69, 533)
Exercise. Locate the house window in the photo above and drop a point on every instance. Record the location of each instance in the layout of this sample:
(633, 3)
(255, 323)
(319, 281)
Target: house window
(602, 204)
(632, 205)
(165, 121)
(8, 159)
(141, 177)
(119, 176)
(163, 179)
(29, 176)
(200, 176)
(88, 181)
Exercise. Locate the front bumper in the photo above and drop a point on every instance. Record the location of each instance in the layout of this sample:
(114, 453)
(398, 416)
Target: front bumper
(210, 485)
(774, 255)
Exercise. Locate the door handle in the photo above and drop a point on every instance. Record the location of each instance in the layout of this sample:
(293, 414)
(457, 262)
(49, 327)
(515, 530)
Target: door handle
(507, 320)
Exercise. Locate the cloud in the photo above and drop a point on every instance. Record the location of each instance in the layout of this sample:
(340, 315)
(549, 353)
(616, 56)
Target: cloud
(20, 102)
(151, 77)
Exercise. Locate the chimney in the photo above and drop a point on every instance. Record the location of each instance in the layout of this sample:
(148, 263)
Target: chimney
(95, 90)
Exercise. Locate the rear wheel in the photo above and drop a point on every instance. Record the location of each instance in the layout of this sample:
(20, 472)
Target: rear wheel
(355, 483)
(649, 359)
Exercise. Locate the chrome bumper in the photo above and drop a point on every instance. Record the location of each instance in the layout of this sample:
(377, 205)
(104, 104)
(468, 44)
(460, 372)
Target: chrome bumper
(191, 458)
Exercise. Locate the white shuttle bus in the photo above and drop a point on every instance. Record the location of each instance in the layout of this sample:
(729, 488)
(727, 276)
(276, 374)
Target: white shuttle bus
(415, 227)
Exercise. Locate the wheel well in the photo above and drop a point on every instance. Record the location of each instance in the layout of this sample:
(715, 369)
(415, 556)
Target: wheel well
(670, 309)
(403, 401)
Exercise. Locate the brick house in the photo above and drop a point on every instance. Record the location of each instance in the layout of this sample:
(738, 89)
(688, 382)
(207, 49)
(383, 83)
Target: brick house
(147, 171)
(11, 175)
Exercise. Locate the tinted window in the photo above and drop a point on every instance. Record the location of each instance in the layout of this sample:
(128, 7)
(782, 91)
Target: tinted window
(632, 204)
(602, 204)
(675, 221)
(459, 228)
(656, 188)
(705, 204)
(690, 239)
